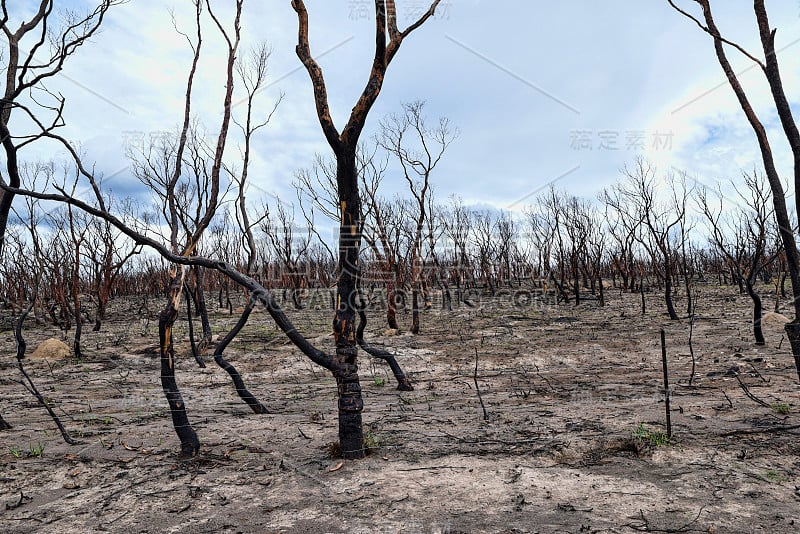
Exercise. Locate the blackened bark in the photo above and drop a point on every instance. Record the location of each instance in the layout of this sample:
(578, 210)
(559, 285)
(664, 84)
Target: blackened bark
(602, 294)
(391, 303)
(757, 312)
(200, 305)
(447, 299)
(100, 315)
(415, 310)
(793, 333)
(771, 71)
(673, 315)
(190, 445)
(238, 383)
(641, 291)
(345, 362)
(576, 278)
(687, 284)
(297, 299)
(3, 424)
(28, 384)
(351, 437)
(7, 197)
(192, 343)
(76, 342)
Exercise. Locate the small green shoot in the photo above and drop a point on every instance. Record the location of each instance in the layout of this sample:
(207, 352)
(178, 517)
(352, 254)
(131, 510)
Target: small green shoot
(372, 441)
(379, 381)
(653, 437)
(780, 407)
(772, 476)
(36, 451)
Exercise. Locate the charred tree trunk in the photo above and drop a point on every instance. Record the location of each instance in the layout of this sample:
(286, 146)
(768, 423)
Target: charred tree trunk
(190, 445)
(100, 315)
(351, 437)
(687, 284)
(201, 309)
(793, 333)
(195, 351)
(391, 303)
(641, 292)
(771, 69)
(673, 315)
(757, 312)
(601, 291)
(447, 299)
(297, 298)
(576, 278)
(403, 383)
(345, 362)
(415, 309)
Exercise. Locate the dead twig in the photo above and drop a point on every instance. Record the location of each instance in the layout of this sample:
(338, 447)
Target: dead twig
(666, 383)
(750, 394)
(29, 385)
(781, 428)
(646, 527)
(691, 347)
(478, 389)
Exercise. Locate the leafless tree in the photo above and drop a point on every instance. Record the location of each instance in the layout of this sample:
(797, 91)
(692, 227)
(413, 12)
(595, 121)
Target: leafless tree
(743, 236)
(290, 244)
(252, 71)
(187, 178)
(344, 144)
(770, 68)
(37, 50)
(457, 220)
(622, 229)
(107, 252)
(418, 148)
(659, 221)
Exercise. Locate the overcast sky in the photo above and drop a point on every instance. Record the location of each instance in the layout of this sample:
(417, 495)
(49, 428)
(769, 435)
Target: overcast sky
(541, 91)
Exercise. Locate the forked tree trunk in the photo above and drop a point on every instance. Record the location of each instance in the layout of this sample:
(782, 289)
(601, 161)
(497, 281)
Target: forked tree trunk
(344, 144)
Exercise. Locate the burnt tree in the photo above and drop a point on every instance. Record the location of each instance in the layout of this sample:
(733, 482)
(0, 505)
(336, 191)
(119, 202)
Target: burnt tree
(770, 68)
(344, 143)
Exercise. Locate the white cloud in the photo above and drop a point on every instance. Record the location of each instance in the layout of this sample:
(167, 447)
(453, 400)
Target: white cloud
(624, 66)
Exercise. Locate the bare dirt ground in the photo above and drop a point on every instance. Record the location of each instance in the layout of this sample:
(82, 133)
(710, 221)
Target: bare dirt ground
(572, 395)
